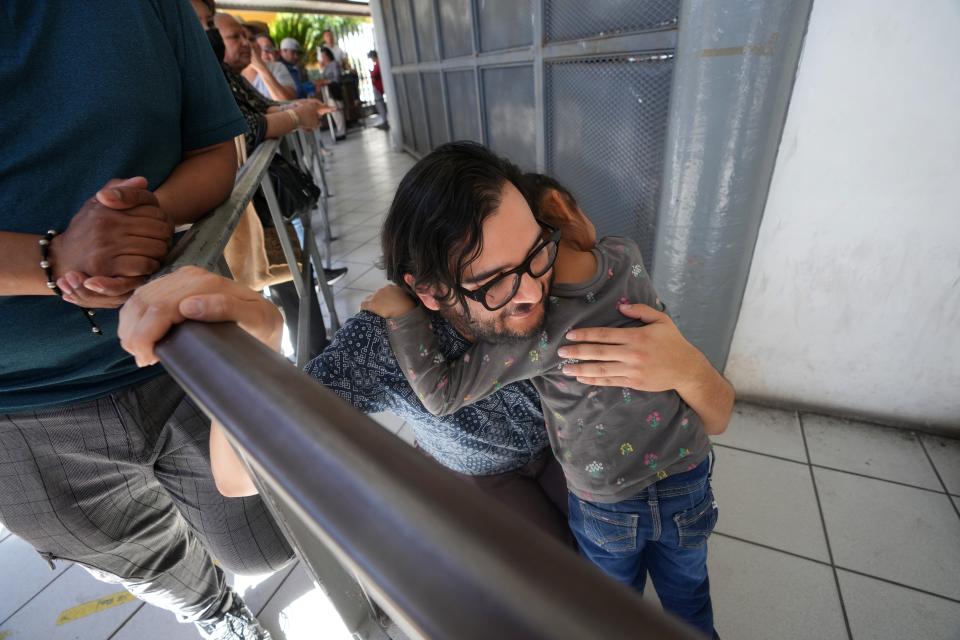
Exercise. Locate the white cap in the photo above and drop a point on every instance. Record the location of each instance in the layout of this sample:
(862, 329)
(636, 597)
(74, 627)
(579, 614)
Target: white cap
(291, 44)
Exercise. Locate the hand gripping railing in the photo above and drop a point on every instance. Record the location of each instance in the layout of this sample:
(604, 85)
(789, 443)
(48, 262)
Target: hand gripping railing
(443, 560)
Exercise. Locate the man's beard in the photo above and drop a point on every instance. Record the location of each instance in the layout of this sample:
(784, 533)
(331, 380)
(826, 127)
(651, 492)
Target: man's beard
(495, 330)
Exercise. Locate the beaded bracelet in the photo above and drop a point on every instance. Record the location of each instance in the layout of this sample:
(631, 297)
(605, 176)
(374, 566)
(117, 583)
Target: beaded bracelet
(51, 283)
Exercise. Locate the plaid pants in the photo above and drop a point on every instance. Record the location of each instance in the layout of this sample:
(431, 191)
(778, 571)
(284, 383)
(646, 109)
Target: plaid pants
(122, 486)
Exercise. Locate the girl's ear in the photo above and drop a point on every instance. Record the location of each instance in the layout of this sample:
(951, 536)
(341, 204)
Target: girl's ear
(554, 208)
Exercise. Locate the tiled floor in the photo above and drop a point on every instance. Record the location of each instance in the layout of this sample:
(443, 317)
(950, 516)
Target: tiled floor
(829, 529)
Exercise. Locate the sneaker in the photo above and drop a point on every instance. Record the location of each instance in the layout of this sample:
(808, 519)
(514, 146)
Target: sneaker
(236, 622)
(334, 275)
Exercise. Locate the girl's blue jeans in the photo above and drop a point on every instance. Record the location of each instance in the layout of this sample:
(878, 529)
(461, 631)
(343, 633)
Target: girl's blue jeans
(662, 531)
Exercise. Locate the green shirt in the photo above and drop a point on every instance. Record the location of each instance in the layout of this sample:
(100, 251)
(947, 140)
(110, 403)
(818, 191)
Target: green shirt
(92, 91)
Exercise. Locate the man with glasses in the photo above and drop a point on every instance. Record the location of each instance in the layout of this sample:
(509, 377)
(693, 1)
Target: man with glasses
(436, 243)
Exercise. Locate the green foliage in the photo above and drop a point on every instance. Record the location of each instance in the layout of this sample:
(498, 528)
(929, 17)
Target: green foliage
(308, 30)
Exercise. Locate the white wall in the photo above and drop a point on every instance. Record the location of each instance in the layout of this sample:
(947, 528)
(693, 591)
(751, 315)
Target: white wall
(853, 299)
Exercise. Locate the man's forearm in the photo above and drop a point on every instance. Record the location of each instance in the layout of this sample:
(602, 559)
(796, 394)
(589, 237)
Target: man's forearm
(711, 396)
(202, 180)
(21, 274)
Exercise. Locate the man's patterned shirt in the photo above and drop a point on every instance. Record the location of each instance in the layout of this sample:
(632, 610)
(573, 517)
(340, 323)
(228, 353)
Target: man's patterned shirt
(498, 434)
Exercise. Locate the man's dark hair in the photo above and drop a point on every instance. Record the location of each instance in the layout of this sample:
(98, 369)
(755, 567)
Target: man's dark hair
(434, 228)
(372, 54)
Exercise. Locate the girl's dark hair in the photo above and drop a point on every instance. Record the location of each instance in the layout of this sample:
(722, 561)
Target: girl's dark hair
(434, 228)
(328, 52)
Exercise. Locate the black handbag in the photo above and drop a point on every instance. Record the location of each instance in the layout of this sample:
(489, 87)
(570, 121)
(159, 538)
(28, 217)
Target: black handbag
(336, 91)
(296, 191)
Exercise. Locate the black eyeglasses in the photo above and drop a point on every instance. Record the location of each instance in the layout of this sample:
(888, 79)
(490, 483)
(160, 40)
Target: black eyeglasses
(496, 293)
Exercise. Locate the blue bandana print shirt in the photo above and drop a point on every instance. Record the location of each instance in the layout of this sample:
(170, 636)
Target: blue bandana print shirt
(498, 434)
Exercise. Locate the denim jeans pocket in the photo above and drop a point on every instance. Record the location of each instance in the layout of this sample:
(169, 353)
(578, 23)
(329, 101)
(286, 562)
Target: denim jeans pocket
(612, 531)
(695, 525)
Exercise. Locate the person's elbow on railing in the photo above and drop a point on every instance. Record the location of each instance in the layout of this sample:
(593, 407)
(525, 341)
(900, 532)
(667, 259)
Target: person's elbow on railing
(192, 293)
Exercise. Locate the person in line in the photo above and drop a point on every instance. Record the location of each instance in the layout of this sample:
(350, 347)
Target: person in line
(637, 463)
(290, 52)
(332, 91)
(265, 73)
(266, 119)
(432, 231)
(377, 80)
(330, 42)
(101, 462)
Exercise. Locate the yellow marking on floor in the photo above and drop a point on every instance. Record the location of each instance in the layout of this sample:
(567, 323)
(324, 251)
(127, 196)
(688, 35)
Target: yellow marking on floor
(5, 634)
(94, 606)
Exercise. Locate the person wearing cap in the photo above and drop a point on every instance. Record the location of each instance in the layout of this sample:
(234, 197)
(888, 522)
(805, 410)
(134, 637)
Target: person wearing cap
(290, 51)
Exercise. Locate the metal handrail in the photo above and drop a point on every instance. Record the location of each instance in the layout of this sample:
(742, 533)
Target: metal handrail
(442, 558)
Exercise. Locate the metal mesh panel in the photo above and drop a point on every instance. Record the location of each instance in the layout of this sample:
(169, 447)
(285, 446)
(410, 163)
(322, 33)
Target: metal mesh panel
(390, 31)
(399, 81)
(462, 105)
(426, 30)
(456, 32)
(606, 121)
(436, 120)
(574, 19)
(420, 139)
(505, 24)
(510, 114)
(408, 45)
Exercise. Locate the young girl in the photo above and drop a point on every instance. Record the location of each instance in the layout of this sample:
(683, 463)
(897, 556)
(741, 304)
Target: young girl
(637, 463)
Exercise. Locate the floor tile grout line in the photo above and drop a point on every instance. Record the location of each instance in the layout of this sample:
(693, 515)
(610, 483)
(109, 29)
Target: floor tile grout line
(760, 453)
(932, 594)
(822, 466)
(794, 554)
(126, 620)
(34, 596)
(916, 432)
(826, 534)
(266, 602)
(939, 477)
(800, 556)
